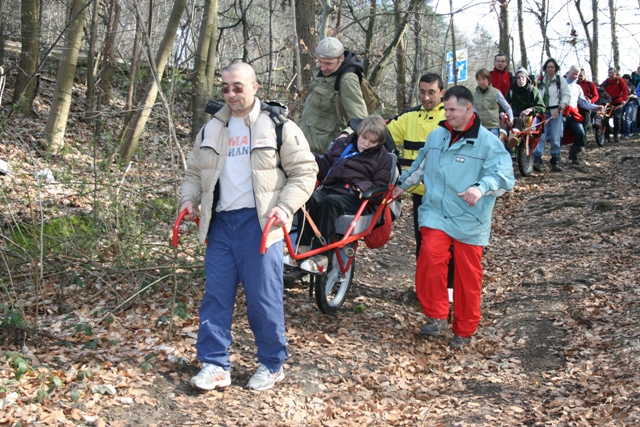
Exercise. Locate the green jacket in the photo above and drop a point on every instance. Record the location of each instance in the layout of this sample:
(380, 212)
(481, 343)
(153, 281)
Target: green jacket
(486, 107)
(320, 121)
(525, 97)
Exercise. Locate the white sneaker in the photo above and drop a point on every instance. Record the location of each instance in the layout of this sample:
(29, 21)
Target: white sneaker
(315, 264)
(264, 379)
(210, 377)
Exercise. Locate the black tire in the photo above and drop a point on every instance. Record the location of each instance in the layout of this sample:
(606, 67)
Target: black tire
(525, 163)
(331, 288)
(599, 132)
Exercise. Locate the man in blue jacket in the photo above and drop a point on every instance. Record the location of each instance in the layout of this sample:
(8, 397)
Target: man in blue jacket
(464, 168)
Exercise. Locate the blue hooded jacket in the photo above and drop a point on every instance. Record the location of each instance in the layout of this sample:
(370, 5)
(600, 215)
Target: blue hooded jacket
(477, 157)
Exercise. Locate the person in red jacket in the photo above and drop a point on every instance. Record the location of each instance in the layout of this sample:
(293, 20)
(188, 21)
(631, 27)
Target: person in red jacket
(590, 92)
(501, 78)
(619, 92)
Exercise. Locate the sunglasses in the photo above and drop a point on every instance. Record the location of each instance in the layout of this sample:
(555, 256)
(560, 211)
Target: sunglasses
(235, 89)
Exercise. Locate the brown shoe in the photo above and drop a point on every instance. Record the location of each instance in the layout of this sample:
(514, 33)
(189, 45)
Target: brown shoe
(513, 141)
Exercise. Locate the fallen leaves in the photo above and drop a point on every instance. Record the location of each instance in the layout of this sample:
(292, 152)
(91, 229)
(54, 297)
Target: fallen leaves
(558, 343)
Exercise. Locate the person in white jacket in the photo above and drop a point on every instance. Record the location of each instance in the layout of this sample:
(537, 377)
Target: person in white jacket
(240, 177)
(574, 121)
(556, 97)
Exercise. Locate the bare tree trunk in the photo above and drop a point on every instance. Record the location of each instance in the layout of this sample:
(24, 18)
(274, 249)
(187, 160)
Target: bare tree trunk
(587, 32)
(503, 25)
(134, 131)
(389, 51)
(90, 113)
(524, 62)
(327, 9)
(108, 59)
(368, 43)
(453, 47)
(417, 68)
(594, 53)
(307, 41)
(202, 86)
(338, 20)
(2, 37)
(59, 113)
(245, 32)
(135, 66)
(271, 49)
(614, 35)
(213, 50)
(401, 62)
(150, 23)
(296, 49)
(542, 13)
(25, 89)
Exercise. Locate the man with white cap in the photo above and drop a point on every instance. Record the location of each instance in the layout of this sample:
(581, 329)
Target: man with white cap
(327, 110)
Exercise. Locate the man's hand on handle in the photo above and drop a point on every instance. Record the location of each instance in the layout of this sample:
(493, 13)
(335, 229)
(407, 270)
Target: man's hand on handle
(280, 215)
(397, 191)
(188, 205)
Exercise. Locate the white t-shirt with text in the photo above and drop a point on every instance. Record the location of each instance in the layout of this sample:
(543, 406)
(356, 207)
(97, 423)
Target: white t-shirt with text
(236, 188)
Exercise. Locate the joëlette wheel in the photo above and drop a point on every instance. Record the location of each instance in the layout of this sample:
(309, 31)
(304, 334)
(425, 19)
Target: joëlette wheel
(599, 132)
(525, 163)
(332, 287)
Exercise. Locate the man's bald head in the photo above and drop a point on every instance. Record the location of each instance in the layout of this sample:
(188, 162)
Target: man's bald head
(239, 87)
(243, 69)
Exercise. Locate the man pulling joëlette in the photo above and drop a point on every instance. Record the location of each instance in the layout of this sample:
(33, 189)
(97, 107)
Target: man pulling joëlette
(240, 178)
(464, 167)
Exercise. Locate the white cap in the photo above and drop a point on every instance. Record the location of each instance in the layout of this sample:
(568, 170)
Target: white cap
(330, 47)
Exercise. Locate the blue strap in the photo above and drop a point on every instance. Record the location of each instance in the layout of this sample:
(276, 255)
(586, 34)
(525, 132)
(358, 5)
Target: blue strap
(345, 155)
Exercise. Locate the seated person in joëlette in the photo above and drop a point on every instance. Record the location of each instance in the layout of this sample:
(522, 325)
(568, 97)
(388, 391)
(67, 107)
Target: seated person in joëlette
(525, 101)
(353, 164)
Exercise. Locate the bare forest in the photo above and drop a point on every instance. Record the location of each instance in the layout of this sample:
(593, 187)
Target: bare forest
(99, 103)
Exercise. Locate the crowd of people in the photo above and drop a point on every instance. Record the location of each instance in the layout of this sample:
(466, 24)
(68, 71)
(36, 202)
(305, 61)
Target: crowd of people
(246, 168)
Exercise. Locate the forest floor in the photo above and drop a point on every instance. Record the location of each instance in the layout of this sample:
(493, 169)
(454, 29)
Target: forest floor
(558, 343)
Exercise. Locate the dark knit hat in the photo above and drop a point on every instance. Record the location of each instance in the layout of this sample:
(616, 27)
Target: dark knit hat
(523, 71)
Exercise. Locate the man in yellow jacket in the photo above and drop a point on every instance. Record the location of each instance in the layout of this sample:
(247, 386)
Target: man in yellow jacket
(410, 130)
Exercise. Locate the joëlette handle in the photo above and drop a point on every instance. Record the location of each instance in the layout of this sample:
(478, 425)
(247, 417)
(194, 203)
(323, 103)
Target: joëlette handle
(265, 233)
(176, 226)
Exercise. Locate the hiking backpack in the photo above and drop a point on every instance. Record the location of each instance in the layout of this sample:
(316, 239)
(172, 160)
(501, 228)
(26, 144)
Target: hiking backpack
(371, 98)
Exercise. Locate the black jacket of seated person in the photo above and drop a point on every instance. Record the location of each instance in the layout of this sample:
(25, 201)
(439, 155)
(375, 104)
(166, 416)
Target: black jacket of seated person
(340, 180)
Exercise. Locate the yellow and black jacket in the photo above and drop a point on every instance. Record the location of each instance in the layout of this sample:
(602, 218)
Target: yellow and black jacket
(409, 131)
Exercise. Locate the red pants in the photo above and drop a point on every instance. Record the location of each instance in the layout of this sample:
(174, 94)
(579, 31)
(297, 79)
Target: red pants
(431, 280)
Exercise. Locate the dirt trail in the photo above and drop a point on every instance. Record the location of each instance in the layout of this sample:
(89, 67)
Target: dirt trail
(558, 342)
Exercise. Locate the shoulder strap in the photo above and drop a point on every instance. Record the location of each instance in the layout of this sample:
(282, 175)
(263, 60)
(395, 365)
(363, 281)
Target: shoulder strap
(277, 113)
(212, 108)
(351, 69)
